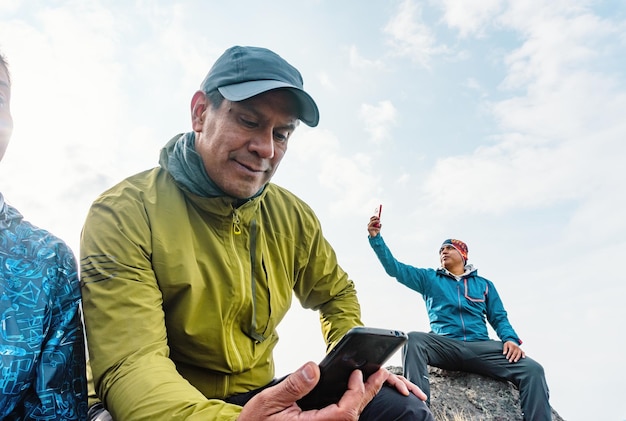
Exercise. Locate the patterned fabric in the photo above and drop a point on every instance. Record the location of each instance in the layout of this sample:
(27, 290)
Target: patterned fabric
(459, 245)
(42, 351)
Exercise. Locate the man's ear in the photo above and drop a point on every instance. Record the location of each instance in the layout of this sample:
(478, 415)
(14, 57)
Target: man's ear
(198, 107)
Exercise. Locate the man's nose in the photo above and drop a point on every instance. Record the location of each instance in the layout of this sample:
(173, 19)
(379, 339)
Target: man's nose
(263, 144)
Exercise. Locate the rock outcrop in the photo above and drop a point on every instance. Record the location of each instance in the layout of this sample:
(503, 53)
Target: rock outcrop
(458, 396)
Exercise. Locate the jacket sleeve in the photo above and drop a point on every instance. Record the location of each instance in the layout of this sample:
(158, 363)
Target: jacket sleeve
(61, 369)
(125, 321)
(497, 317)
(321, 284)
(410, 276)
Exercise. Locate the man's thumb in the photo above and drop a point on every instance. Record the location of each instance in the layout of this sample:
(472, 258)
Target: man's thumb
(299, 383)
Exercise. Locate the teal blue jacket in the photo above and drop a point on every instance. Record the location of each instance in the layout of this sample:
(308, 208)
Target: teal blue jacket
(456, 309)
(42, 348)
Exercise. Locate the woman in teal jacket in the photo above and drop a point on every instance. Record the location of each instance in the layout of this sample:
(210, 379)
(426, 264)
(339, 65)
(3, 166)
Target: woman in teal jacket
(459, 303)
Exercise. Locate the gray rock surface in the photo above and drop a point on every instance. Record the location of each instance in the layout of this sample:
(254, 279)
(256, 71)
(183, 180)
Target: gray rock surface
(458, 396)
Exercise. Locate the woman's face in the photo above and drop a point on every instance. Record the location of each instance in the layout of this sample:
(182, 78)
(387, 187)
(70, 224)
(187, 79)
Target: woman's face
(6, 121)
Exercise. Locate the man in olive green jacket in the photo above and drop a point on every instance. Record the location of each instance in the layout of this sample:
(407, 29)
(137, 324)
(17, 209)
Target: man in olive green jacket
(188, 268)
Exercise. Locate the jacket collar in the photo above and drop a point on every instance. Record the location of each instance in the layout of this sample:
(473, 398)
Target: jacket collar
(469, 270)
(8, 214)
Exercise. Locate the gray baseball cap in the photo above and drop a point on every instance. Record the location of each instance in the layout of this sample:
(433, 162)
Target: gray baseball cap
(243, 72)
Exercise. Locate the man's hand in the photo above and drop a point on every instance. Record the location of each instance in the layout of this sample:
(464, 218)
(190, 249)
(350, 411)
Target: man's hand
(402, 385)
(279, 402)
(373, 228)
(513, 352)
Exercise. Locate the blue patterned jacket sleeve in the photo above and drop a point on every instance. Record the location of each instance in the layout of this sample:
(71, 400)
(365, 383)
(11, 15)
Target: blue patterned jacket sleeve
(42, 350)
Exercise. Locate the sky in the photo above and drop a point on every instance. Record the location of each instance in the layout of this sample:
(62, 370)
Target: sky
(497, 122)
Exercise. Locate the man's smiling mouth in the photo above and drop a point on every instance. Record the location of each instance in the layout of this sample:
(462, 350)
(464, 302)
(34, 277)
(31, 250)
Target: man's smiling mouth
(250, 168)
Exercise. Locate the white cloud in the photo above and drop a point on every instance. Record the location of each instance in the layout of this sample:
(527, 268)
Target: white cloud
(579, 103)
(599, 222)
(510, 175)
(567, 116)
(7, 6)
(521, 15)
(316, 156)
(325, 80)
(556, 45)
(377, 119)
(411, 37)
(360, 63)
(309, 145)
(469, 17)
(474, 85)
(350, 179)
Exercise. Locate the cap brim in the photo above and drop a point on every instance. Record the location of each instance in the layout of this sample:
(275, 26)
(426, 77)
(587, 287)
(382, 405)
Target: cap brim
(309, 113)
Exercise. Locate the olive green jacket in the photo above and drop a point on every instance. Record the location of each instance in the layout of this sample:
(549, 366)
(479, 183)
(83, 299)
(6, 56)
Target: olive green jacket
(182, 294)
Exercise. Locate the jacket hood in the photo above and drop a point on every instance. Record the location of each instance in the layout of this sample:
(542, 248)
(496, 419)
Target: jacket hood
(8, 214)
(469, 270)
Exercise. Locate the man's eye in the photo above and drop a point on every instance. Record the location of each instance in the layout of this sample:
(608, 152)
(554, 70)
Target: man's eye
(281, 137)
(249, 123)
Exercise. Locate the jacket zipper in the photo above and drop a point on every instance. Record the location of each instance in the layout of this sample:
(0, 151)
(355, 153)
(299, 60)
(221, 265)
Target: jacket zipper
(458, 294)
(236, 222)
(236, 231)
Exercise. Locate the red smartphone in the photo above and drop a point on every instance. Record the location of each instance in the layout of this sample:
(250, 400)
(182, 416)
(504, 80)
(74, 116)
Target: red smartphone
(362, 348)
(378, 210)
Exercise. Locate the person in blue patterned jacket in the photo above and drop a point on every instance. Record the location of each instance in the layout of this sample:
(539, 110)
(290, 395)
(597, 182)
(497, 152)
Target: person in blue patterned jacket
(459, 305)
(42, 349)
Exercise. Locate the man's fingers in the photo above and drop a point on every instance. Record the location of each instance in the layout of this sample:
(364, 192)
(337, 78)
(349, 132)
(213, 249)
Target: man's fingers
(374, 224)
(297, 384)
(418, 392)
(373, 385)
(520, 354)
(352, 399)
(359, 394)
(281, 398)
(512, 352)
(405, 387)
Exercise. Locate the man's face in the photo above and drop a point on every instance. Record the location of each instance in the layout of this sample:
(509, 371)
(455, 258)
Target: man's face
(6, 122)
(450, 257)
(242, 143)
